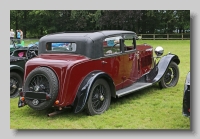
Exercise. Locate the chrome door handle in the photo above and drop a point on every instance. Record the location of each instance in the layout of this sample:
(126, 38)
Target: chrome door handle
(104, 62)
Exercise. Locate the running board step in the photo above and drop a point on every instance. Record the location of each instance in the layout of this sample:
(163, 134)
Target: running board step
(135, 87)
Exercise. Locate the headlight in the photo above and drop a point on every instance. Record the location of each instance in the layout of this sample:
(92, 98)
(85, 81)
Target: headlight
(159, 51)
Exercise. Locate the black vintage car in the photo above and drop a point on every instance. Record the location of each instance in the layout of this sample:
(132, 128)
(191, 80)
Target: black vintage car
(186, 96)
(18, 59)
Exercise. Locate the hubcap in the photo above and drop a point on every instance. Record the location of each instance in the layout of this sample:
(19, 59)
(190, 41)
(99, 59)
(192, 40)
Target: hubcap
(36, 88)
(14, 86)
(101, 97)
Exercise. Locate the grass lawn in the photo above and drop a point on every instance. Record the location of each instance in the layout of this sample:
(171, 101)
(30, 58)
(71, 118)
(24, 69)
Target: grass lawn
(151, 108)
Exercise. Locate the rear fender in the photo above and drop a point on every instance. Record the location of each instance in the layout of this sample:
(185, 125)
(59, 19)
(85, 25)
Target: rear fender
(16, 67)
(163, 65)
(84, 89)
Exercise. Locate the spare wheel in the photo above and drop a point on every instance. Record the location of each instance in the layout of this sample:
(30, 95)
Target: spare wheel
(44, 81)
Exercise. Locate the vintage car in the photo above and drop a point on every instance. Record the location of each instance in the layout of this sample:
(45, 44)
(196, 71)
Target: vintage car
(18, 59)
(186, 96)
(89, 69)
(33, 44)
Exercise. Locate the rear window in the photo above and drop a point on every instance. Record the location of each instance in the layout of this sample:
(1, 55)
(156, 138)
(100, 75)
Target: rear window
(61, 46)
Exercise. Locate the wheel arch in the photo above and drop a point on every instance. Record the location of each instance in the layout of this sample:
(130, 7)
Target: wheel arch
(84, 89)
(163, 65)
(17, 69)
(176, 59)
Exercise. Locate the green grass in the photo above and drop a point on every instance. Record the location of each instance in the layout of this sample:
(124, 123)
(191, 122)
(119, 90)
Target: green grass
(150, 108)
(29, 41)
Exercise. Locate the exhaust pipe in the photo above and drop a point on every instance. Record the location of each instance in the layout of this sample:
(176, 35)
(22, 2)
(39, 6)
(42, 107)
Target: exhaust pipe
(54, 113)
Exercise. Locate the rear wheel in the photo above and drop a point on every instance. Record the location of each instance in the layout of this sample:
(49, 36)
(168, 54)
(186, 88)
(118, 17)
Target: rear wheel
(41, 80)
(99, 98)
(15, 83)
(171, 77)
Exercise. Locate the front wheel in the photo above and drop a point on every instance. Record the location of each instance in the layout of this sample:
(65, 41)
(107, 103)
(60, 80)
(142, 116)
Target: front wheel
(171, 77)
(99, 98)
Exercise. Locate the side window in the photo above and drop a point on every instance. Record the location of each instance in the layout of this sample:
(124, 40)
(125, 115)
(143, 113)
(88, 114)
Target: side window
(111, 45)
(61, 46)
(128, 45)
(130, 42)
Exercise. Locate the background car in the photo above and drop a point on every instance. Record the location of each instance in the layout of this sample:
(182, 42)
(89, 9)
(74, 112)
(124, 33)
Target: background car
(14, 45)
(33, 44)
(186, 97)
(18, 59)
(91, 69)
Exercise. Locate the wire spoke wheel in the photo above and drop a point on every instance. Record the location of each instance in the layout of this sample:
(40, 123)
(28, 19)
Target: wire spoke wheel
(15, 83)
(171, 77)
(41, 80)
(99, 97)
(39, 83)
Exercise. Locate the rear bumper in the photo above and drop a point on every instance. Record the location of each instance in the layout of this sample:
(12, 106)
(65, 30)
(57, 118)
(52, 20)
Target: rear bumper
(36, 95)
(31, 95)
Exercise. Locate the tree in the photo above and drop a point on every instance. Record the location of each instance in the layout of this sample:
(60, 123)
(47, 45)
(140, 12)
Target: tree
(37, 23)
(120, 19)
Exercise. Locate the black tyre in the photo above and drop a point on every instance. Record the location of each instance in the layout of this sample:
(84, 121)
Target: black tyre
(45, 80)
(171, 77)
(99, 98)
(15, 83)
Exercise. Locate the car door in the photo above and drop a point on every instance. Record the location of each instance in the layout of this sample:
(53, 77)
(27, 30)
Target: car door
(112, 63)
(130, 59)
(114, 67)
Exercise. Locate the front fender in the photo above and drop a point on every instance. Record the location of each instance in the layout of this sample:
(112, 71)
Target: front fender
(186, 97)
(163, 65)
(84, 89)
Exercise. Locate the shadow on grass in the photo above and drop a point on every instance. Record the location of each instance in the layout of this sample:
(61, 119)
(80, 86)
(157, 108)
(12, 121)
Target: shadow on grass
(65, 113)
(135, 95)
(68, 112)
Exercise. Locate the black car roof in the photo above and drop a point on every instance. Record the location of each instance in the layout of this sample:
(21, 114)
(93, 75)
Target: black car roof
(88, 43)
(91, 34)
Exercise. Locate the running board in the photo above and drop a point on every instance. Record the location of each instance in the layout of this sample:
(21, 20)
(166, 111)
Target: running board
(135, 87)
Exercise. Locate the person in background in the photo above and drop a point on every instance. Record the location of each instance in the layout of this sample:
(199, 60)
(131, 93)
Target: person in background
(18, 36)
(12, 34)
(21, 37)
(21, 34)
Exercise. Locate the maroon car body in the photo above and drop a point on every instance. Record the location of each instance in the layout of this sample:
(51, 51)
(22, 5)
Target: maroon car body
(85, 73)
